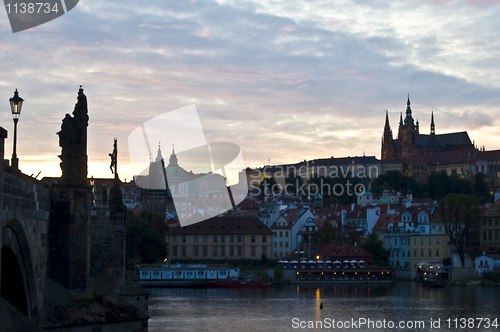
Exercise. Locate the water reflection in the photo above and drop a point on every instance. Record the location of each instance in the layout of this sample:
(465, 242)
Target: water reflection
(273, 309)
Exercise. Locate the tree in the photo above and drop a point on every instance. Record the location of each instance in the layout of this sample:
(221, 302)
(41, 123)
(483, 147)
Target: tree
(269, 186)
(375, 246)
(392, 180)
(349, 234)
(460, 216)
(291, 181)
(327, 234)
(146, 238)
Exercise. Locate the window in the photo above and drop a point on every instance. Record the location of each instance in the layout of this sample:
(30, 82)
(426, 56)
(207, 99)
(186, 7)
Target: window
(174, 251)
(239, 239)
(397, 253)
(395, 242)
(484, 235)
(286, 233)
(281, 244)
(252, 239)
(437, 240)
(414, 253)
(437, 253)
(205, 239)
(205, 250)
(275, 244)
(184, 239)
(222, 239)
(239, 251)
(222, 251)
(231, 251)
(409, 253)
(429, 240)
(286, 244)
(496, 222)
(215, 238)
(440, 227)
(215, 251)
(281, 233)
(430, 253)
(415, 241)
(264, 250)
(264, 238)
(183, 250)
(403, 254)
(489, 222)
(421, 240)
(231, 239)
(174, 239)
(422, 229)
(196, 239)
(496, 235)
(252, 250)
(421, 253)
(490, 235)
(195, 251)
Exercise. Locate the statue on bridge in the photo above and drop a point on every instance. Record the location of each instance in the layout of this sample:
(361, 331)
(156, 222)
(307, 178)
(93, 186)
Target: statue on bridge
(73, 142)
(114, 159)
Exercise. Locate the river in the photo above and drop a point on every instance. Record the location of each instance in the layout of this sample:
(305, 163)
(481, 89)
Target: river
(288, 308)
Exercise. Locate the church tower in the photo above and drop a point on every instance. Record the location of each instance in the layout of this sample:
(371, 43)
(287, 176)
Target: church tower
(407, 134)
(387, 140)
(433, 130)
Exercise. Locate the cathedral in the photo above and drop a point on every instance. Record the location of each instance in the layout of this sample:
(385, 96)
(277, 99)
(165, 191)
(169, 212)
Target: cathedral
(410, 142)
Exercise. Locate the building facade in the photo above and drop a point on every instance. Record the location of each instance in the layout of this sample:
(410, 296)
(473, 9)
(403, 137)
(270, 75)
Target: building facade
(225, 237)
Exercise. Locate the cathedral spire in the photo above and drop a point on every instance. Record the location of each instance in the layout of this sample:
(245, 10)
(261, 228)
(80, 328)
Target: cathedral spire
(408, 119)
(387, 126)
(433, 130)
(401, 118)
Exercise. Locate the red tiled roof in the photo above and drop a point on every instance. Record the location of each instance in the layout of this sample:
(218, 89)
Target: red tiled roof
(451, 157)
(386, 219)
(488, 155)
(224, 225)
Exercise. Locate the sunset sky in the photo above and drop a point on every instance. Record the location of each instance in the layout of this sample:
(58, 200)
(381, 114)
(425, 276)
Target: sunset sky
(285, 80)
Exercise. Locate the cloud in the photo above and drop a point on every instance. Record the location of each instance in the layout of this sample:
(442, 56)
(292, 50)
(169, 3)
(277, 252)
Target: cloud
(323, 93)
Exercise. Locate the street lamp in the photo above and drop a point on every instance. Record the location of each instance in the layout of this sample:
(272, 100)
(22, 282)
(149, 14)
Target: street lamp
(16, 103)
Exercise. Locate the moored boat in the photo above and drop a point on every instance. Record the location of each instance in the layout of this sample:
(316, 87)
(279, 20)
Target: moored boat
(241, 282)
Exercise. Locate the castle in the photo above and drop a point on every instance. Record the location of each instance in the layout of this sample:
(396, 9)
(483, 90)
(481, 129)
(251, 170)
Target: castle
(410, 142)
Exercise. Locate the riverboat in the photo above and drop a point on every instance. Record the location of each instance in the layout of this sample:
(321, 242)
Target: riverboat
(183, 275)
(240, 282)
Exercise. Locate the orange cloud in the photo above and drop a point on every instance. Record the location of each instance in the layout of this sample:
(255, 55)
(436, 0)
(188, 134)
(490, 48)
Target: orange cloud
(159, 27)
(202, 33)
(290, 28)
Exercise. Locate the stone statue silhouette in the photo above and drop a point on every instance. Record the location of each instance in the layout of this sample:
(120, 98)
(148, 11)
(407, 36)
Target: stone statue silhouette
(73, 141)
(114, 159)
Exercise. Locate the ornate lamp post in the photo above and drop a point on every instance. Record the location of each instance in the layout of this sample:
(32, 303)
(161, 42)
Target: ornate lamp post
(16, 103)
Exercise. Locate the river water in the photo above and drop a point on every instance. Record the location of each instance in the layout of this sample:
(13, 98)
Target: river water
(287, 308)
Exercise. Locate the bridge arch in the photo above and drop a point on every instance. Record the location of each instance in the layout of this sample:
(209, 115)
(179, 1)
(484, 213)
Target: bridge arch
(18, 285)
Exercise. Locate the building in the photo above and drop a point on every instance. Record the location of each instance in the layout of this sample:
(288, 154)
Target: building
(489, 228)
(487, 262)
(225, 237)
(286, 229)
(410, 142)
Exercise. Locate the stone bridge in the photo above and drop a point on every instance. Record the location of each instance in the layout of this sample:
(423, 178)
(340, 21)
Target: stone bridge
(23, 239)
(62, 262)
